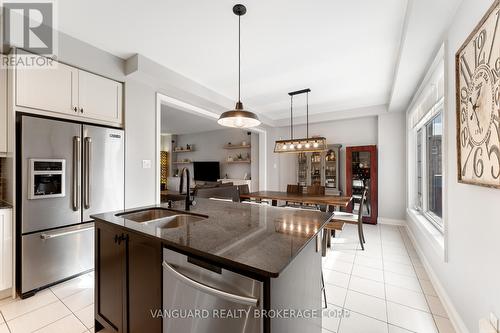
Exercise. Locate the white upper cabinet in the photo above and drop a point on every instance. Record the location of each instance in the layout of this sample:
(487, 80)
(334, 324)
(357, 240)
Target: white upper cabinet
(99, 98)
(70, 91)
(3, 108)
(49, 89)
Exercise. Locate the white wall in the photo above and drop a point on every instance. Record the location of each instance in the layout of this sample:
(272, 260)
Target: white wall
(470, 278)
(351, 132)
(140, 144)
(392, 167)
(387, 131)
(208, 146)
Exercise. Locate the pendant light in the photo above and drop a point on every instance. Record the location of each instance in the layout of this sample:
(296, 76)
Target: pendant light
(307, 144)
(239, 117)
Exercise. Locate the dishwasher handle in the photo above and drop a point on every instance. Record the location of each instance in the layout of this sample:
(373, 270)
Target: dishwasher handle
(244, 300)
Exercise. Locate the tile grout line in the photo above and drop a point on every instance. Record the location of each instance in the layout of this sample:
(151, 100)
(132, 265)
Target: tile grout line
(385, 290)
(35, 309)
(71, 312)
(347, 289)
(5, 321)
(39, 328)
(358, 254)
(383, 274)
(419, 283)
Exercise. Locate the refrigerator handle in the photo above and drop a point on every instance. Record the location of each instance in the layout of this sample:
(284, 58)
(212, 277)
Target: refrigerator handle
(76, 172)
(87, 172)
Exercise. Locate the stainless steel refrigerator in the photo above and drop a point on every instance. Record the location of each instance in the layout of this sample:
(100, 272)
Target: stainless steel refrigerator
(66, 171)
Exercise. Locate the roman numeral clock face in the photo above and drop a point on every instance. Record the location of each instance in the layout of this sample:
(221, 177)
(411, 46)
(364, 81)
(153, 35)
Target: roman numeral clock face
(478, 103)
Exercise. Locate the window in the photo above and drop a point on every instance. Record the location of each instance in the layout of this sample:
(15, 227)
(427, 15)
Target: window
(420, 194)
(434, 131)
(429, 184)
(426, 127)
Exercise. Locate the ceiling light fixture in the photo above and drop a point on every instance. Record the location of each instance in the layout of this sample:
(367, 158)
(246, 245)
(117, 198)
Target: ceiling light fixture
(239, 117)
(307, 144)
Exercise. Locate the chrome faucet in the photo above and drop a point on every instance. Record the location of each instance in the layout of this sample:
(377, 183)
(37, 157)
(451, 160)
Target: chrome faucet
(189, 202)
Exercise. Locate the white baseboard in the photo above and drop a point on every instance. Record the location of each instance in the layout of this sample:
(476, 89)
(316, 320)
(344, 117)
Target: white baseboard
(454, 317)
(384, 220)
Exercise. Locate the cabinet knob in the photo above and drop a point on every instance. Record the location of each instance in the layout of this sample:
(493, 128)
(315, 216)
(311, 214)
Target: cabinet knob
(75, 109)
(81, 110)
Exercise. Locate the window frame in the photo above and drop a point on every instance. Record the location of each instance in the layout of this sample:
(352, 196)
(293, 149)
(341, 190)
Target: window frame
(421, 129)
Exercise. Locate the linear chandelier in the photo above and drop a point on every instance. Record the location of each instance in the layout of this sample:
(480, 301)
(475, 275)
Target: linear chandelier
(307, 144)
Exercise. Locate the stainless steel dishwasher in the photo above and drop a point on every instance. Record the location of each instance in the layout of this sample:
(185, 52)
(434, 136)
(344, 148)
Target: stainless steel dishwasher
(202, 298)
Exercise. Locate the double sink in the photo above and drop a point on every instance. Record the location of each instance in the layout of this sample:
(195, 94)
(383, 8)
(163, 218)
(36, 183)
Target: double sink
(162, 218)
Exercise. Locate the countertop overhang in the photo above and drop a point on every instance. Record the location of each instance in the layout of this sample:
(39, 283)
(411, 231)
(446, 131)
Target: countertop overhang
(256, 239)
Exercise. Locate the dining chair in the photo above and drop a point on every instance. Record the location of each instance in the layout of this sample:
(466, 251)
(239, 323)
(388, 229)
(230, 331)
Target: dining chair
(316, 190)
(341, 218)
(295, 189)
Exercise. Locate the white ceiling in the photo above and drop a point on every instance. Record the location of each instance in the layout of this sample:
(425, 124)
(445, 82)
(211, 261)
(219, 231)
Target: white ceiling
(347, 52)
(174, 121)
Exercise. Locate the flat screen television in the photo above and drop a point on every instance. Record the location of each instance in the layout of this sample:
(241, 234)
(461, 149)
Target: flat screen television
(206, 171)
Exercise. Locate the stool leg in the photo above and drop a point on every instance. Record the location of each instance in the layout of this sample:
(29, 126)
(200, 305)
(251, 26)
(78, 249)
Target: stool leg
(323, 288)
(360, 235)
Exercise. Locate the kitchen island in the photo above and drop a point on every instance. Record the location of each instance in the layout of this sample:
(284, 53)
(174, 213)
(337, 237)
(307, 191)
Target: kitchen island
(221, 267)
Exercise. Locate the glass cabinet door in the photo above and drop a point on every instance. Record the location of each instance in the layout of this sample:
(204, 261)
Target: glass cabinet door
(330, 169)
(362, 174)
(302, 169)
(316, 169)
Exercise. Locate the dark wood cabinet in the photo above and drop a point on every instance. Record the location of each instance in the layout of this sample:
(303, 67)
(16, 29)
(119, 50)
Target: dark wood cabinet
(110, 277)
(361, 172)
(125, 263)
(144, 269)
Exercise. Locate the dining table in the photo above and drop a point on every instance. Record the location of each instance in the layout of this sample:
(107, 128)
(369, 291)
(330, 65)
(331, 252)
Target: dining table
(303, 198)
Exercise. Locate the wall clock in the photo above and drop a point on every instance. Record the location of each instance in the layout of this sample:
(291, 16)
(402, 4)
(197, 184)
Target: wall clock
(478, 103)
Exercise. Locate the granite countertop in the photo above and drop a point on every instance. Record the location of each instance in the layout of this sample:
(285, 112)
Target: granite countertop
(259, 239)
(5, 205)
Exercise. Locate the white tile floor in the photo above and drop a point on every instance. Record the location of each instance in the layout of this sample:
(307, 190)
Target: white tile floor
(383, 289)
(65, 308)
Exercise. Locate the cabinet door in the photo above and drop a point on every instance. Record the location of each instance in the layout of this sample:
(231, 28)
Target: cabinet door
(99, 98)
(110, 277)
(144, 269)
(361, 173)
(3, 108)
(5, 249)
(50, 89)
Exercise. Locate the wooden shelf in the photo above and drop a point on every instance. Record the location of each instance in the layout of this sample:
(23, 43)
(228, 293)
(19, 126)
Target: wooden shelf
(183, 151)
(237, 147)
(240, 161)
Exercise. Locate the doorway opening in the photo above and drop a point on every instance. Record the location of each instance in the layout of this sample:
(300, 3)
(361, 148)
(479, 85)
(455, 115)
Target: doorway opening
(190, 137)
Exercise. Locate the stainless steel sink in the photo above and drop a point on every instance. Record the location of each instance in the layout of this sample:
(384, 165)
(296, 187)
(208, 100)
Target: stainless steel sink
(176, 221)
(148, 215)
(162, 218)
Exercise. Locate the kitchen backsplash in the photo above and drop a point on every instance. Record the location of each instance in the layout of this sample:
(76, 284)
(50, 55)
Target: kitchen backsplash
(3, 177)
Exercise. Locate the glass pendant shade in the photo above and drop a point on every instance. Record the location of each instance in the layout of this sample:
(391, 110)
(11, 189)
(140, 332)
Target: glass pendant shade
(317, 144)
(239, 118)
